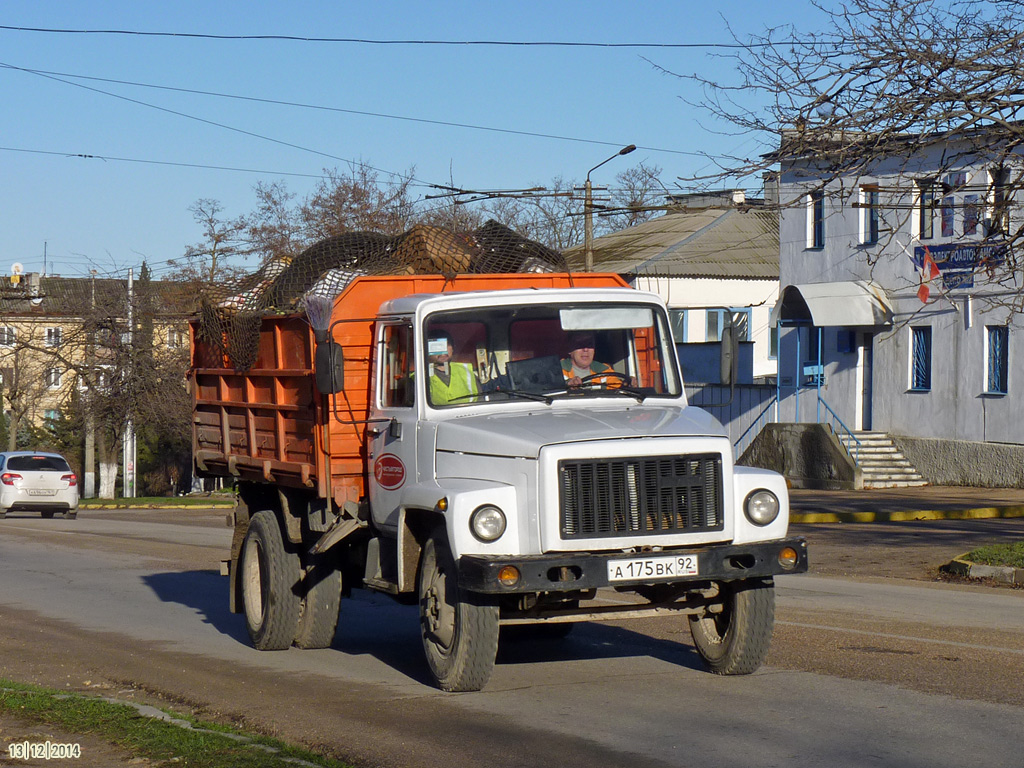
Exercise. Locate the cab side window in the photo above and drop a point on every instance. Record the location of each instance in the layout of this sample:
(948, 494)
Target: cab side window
(396, 381)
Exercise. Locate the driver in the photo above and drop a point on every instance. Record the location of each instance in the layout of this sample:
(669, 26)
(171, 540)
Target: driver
(580, 363)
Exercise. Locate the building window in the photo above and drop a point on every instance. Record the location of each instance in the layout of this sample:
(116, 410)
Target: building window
(51, 415)
(773, 343)
(926, 210)
(716, 322)
(921, 359)
(175, 339)
(971, 214)
(997, 343)
(999, 218)
(53, 337)
(869, 215)
(7, 336)
(677, 319)
(816, 219)
(52, 378)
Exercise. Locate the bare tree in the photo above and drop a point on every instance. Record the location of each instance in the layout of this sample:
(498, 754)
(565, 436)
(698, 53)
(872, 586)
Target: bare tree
(214, 258)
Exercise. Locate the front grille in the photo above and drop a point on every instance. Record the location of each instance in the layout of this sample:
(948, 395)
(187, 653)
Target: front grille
(640, 496)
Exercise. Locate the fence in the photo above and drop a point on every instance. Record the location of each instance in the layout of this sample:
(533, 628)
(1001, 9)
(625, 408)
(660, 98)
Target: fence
(750, 408)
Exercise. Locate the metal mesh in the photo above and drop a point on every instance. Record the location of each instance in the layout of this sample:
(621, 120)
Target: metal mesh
(231, 312)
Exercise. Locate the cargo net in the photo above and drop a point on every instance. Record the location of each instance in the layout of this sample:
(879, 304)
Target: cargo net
(231, 313)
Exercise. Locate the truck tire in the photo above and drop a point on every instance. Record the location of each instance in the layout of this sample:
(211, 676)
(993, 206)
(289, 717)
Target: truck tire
(459, 629)
(736, 641)
(270, 577)
(318, 608)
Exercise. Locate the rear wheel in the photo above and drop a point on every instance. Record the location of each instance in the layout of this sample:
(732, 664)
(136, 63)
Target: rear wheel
(318, 608)
(270, 576)
(47, 514)
(735, 640)
(459, 629)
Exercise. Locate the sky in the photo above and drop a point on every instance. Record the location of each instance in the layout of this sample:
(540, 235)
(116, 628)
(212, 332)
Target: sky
(100, 175)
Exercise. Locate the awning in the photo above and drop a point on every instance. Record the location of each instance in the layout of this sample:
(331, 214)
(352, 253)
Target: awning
(855, 303)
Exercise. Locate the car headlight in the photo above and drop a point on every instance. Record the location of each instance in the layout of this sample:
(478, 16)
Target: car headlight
(761, 507)
(487, 522)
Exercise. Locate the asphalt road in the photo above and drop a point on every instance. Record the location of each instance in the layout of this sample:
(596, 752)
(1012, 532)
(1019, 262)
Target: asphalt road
(874, 662)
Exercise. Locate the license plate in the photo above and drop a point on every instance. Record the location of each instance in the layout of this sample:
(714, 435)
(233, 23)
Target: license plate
(653, 568)
(40, 492)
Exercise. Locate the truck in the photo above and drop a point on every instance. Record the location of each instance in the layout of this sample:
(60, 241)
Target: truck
(529, 500)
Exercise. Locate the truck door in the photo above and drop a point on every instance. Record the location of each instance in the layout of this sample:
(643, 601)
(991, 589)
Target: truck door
(392, 449)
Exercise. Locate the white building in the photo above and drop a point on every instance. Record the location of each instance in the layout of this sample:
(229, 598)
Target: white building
(718, 254)
(876, 337)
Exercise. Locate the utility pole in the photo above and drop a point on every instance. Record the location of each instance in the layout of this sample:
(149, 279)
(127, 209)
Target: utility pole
(89, 470)
(129, 429)
(588, 212)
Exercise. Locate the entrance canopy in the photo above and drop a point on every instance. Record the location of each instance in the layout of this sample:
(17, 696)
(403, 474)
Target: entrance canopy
(855, 303)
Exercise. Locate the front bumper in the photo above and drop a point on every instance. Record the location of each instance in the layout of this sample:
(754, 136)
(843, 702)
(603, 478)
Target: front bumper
(566, 572)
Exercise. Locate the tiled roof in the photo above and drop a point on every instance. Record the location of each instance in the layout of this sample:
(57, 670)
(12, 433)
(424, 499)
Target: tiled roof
(710, 242)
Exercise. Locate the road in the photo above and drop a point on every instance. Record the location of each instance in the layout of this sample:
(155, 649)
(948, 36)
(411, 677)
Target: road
(863, 671)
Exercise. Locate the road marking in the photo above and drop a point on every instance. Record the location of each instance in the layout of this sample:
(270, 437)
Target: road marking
(907, 638)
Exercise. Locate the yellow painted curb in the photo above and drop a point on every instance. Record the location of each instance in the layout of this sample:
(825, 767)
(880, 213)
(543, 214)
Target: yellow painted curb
(979, 513)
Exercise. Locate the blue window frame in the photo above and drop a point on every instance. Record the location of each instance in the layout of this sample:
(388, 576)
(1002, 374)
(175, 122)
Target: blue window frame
(677, 319)
(716, 322)
(998, 359)
(921, 359)
(869, 210)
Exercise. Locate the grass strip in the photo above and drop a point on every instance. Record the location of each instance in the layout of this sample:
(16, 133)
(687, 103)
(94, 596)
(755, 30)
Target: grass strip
(185, 741)
(159, 501)
(1010, 554)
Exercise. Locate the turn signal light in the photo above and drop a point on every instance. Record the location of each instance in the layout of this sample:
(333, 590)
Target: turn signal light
(508, 576)
(788, 557)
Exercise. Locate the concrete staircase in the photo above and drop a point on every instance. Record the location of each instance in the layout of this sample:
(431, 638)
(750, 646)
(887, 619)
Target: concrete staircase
(881, 462)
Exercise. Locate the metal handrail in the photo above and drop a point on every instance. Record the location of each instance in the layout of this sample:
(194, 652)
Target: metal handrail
(854, 440)
(742, 441)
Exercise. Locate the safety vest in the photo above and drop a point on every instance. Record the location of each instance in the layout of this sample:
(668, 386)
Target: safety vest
(461, 383)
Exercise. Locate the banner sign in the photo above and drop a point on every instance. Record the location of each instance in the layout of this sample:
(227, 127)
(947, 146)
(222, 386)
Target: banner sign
(959, 262)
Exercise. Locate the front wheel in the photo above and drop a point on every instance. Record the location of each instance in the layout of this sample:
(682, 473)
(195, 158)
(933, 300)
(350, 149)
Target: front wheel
(735, 640)
(459, 629)
(270, 576)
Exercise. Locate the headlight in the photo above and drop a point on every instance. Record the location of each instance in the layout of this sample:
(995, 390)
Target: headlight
(487, 522)
(761, 507)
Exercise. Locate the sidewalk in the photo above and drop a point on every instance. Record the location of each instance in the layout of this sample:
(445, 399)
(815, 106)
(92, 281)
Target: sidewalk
(896, 504)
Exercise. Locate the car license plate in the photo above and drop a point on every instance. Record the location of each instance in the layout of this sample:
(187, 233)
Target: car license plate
(40, 492)
(653, 568)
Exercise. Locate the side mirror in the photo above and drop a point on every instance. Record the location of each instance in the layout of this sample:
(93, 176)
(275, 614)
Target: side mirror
(729, 356)
(329, 367)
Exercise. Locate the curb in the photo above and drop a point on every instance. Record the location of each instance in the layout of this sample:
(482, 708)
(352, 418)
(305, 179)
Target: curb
(899, 516)
(1004, 574)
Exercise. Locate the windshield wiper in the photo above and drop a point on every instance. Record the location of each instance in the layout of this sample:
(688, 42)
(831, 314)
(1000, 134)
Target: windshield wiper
(482, 396)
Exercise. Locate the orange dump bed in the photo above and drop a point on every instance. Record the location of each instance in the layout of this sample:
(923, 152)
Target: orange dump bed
(270, 424)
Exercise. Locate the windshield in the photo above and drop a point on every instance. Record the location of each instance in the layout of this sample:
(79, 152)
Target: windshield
(545, 352)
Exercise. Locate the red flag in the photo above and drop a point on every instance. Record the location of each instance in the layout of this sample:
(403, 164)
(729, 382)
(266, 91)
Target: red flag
(929, 270)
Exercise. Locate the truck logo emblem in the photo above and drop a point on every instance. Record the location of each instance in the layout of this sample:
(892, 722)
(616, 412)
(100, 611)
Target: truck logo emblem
(389, 472)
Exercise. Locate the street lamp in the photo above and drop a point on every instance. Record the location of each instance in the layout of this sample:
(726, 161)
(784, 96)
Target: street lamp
(588, 212)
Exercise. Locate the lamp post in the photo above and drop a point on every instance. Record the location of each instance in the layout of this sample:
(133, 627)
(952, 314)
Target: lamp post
(588, 212)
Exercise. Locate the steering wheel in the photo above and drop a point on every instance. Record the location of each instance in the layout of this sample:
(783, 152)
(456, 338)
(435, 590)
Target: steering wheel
(623, 378)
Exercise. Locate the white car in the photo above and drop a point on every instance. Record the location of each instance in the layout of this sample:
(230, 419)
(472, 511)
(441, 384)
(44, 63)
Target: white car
(37, 481)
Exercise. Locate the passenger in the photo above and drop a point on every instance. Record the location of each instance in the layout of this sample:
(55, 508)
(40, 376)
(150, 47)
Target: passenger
(580, 363)
(449, 380)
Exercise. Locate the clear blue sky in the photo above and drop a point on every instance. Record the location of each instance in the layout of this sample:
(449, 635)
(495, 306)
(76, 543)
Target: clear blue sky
(108, 214)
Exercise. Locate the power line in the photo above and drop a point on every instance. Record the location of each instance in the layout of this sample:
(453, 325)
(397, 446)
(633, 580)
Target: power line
(370, 41)
(341, 110)
(212, 123)
(81, 156)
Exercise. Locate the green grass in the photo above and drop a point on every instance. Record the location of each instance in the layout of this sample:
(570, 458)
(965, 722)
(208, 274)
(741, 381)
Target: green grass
(202, 746)
(1011, 554)
(218, 500)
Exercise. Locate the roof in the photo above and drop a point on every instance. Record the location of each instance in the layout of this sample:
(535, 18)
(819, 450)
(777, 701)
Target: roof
(730, 242)
(855, 303)
(73, 297)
